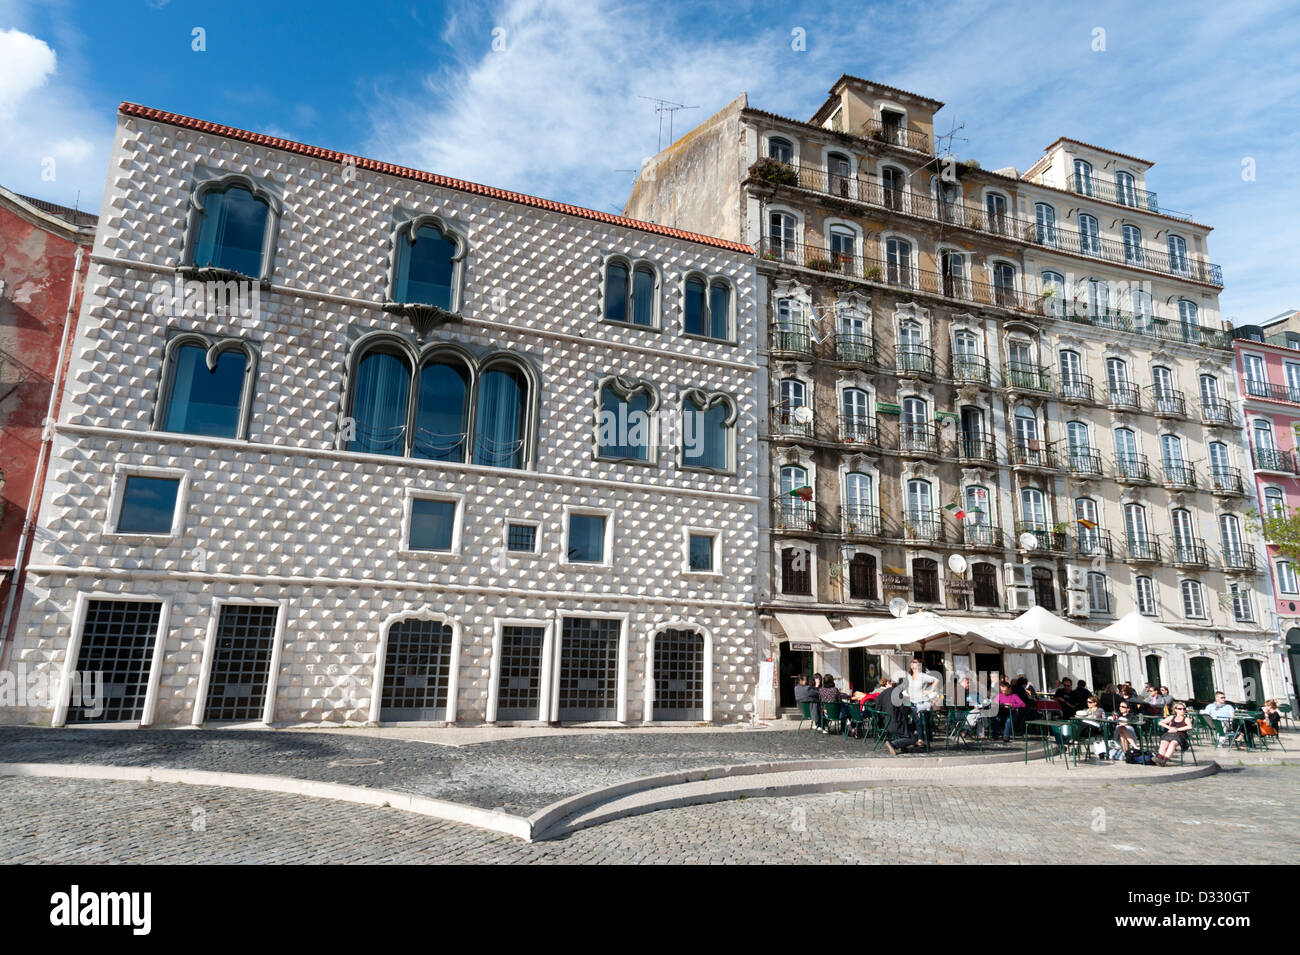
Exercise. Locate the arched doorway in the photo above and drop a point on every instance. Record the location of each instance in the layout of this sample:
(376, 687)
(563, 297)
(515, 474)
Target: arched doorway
(1252, 683)
(1153, 670)
(679, 675)
(1202, 679)
(417, 670)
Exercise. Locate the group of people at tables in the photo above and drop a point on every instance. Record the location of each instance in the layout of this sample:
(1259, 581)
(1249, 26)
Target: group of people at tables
(908, 702)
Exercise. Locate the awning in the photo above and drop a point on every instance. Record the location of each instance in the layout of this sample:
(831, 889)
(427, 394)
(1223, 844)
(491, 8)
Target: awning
(804, 627)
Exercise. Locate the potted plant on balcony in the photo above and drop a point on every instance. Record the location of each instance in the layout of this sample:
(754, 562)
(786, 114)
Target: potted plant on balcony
(873, 274)
(774, 171)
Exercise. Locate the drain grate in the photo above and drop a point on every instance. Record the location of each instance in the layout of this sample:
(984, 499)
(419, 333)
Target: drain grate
(356, 761)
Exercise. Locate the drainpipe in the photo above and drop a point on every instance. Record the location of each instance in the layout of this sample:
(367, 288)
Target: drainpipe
(38, 476)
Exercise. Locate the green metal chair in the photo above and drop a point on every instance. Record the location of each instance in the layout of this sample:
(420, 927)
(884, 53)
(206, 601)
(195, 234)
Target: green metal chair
(878, 723)
(855, 718)
(805, 714)
(832, 713)
(1288, 714)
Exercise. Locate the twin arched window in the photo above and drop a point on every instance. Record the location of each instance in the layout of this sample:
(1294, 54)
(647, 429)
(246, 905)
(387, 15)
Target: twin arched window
(440, 406)
(707, 308)
(631, 293)
(625, 424)
(232, 227)
(708, 431)
(207, 387)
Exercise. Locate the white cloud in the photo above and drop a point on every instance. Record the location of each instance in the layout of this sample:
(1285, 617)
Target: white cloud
(29, 63)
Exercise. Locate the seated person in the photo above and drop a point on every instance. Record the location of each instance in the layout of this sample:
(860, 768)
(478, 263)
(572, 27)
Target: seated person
(874, 695)
(1272, 717)
(1176, 727)
(1222, 711)
(1127, 720)
(1079, 698)
(829, 693)
(977, 720)
(1064, 695)
(1109, 699)
(901, 734)
(1008, 705)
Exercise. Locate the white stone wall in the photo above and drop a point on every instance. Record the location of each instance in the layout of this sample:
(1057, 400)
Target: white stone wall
(283, 516)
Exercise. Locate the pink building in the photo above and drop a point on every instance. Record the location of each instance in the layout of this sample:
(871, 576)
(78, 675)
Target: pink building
(1267, 360)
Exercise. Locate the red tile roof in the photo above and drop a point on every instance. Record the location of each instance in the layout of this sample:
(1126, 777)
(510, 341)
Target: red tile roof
(373, 165)
(1100, 149)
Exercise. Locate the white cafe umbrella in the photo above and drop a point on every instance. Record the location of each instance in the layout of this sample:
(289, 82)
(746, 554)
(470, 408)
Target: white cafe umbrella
(1053, 634)
(1135, 630)
(914, 631)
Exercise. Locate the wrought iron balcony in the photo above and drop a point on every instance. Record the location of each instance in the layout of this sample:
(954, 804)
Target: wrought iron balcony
(896, 135)
(858, 429)
(1273, 459)
(1047, 538)
(918, 438)
(923, 527)
(795, 515)
(1109, 190)
(1093, 543)
(1180, 474)
(967, 368)
(1263, 389)
(861, 521)
(1143, 549)
(1093, 246)
(855, 348)
(793, 339)
(983, 536)
(1083, 462)
(1189, 553)
(1164, 327)
(1216, 412)
(1132, 469)
(976, 447)
(1240, 559)
(1034, 454)
(1075, 389)
(786, 423)
(1123, 396)
(1167, 403)
(1226, 481)
(914, 360)
(1027, 377)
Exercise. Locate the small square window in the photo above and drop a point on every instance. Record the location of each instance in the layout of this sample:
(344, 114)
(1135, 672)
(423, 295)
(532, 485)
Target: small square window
(586, 538)
(432, 525)
(701, 553)
(521, 538)
(148, 505)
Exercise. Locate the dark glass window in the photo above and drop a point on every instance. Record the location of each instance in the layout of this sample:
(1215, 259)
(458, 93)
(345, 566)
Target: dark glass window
(586, 538)
(925, 580)
(616, 292)
(985, 578)
(502, 415)
(425, 268)
(521, 538)
(719, 310)
(694, 318)
(705, 434)
(623, 430)
(203, 400)
(643, 296)
(441, 406)
(148, 505)
(431, 524)
(796, 572)
(232, 232)
(701, 552)
(1044, 588)
(379, 403)
(862, 577)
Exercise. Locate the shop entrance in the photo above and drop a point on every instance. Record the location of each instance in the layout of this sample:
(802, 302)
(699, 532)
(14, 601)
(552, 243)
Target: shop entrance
(796, 661)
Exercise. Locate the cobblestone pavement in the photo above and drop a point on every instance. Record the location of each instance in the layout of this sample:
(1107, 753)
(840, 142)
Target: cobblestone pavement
(518, 775)
(1244, 816)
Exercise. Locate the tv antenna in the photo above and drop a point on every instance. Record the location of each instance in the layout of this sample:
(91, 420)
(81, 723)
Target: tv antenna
(665, 106)
(950, 137)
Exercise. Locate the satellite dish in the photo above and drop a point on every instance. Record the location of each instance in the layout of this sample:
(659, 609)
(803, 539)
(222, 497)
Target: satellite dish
(898, 606)
(1028, 541)
(957, 564)
(803, 414)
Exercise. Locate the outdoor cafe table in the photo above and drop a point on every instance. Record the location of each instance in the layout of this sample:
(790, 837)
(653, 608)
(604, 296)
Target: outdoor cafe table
(1042, 728)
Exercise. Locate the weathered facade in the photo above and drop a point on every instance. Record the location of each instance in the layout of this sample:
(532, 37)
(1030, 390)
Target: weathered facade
(355, 471)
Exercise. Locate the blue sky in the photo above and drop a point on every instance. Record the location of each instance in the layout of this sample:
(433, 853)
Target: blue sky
(555, 109)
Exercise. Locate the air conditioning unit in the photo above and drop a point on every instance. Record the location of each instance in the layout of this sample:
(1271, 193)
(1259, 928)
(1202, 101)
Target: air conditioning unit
(1012, 575)
(1074, 577)
(1078, 606)
(1019, 599)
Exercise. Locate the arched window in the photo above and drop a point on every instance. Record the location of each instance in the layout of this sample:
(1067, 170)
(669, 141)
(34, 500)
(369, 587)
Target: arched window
(631, 292)
(1193, 600)
(232, 230)
(616, 291)
(1230, 537)
(1004, 283)
(1033, 509)
(1184, 532)
(501, 417)
(859, 503)
(985, 578)
(893, 185)
(442, 410)
(425, 270)
(1145, 594)
(839, 169)
(1286, 577)
(952, 269)
(1135, 526)
(781, 234)
(1044, 588)
(920, 501)
(1125, 189)
(625, 423)
(1177, 254)
(782, 150)
(1045, 223)
(1026, 429)
(862, 577)
(1132, 245)
(207, 387)
(718, 325)
(1089, 235)
(995, 204)
(1086, 525)
(1143, 307)
(898, 261)
(708, 430)
(644, 285)
(925, 580)
(1189, 320)
(1274, 502)
(1053, 284)
(380, 397)
(1082, 182)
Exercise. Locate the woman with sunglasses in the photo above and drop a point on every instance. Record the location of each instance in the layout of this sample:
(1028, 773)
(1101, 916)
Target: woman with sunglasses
(1175, 726)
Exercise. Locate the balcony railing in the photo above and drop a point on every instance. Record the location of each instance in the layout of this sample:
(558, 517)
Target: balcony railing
(860, 521)
(1132, 468)
(1167, 403)
(1093, 543)
(1168, 328)
(1239, 559)
(1226, 481)
(914, 360)
(899, 275)
(1084, 462)
(792, 338)
(786, 423)
(855, 348)
(970, 368)
(1076, 388)
(923, 527)
(1046, 538)
(793, 514)
(1273, 459)
(1113, 250)
(1215, 412)
(1028, 377)
(1109, 190)
(1034, 454)
(858, 429)
(982, 535)
(1179, 474)
(896, 135)
(1189, 553)
(1123, 396)
(976, 447)
(918, 438)
(1263, 389)
(1143, 549)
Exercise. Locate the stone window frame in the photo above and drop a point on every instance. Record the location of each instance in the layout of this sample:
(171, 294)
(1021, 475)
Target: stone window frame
(706, 399)
(625, 387)
(699, 531)
(118, 489)
(607, 545)
(507, 522)
(632, 263)
(732, 336)
(457, 525)
(425, 316)
(214, 347)
(208, 181)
